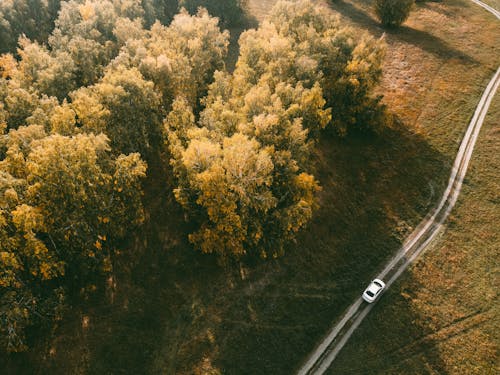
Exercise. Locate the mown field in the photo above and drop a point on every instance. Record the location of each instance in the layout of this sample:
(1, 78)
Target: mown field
(177, 311)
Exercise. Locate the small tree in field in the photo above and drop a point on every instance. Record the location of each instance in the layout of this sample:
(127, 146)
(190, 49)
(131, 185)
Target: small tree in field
(392, 13)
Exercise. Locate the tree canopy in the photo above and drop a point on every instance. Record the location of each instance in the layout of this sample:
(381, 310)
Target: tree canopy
(392, 13)
(64, 202)
(108, 86)
(297, 73)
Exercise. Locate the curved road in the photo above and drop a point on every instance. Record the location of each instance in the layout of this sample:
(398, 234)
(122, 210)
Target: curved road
(322, 357)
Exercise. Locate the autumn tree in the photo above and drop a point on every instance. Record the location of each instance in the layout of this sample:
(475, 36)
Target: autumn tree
(32, 18)
(87, 36)
(301, 42)
(64, 203)
(297, 73)
(125, 107)
(246, 197)
(242, 173)
(91, 32)
(43, 72)
(180, 59)
(27, 265)
(230, 12)
(159, 10)
(16, 102)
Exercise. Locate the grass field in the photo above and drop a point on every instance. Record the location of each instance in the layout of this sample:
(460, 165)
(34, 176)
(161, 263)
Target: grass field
(494, 3)
(443, 317)
(176, 311)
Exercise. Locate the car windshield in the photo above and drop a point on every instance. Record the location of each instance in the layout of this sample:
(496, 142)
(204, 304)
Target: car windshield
(370, 293)
(377, 284)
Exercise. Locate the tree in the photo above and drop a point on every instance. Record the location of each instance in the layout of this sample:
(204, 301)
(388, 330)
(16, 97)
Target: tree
(85, 201)
(32, 18)
(64, 203)
(298, 72)
(159, 10)
(299, 42)
(91, 33)
(226, 186)
(242, 173)
(125, 107)
(38, 69)
(180, 59)
(230, 12)
(392, 13)
(17, 103)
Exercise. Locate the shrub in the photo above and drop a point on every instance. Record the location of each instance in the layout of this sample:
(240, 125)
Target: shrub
(392, 13)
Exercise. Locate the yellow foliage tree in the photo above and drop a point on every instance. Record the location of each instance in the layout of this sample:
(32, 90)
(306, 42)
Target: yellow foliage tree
(64, 203)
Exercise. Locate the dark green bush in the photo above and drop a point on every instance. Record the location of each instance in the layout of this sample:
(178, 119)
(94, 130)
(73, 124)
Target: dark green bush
(392, 13)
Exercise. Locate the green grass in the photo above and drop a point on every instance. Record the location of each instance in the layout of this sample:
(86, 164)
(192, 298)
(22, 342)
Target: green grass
(176, 311)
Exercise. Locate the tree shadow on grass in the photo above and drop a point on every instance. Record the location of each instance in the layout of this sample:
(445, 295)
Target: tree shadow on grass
(419, 38)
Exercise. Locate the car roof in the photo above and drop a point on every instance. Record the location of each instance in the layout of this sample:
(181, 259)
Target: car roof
(374, 288)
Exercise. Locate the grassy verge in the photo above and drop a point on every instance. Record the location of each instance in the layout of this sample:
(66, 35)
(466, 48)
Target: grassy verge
(175, 311)
(494, 3)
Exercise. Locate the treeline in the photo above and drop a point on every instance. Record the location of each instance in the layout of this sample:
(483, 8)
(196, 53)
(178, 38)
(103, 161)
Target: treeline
(35, 18)
(111, 90)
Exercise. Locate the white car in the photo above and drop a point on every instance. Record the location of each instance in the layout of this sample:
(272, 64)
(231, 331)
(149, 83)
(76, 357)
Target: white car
(373, 291)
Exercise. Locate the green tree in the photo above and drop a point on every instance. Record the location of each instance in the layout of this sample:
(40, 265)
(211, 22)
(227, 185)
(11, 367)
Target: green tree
(392, 13)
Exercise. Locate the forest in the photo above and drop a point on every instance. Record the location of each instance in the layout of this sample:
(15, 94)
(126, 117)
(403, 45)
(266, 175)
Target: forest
(93, 92)
(100, 97)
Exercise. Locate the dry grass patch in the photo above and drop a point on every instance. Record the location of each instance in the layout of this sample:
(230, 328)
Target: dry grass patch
(494, 3)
